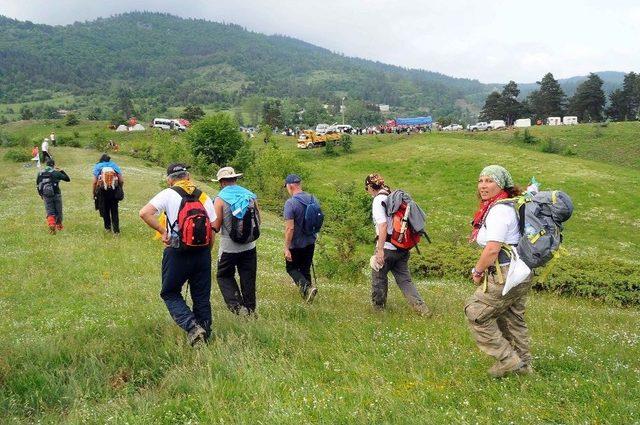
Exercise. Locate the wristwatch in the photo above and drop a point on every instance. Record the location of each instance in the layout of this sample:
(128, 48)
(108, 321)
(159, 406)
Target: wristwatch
(476, 273)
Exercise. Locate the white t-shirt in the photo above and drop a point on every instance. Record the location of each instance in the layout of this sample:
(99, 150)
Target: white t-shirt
(379, 214)
(169, 201)
(45, 146)
(501, 225)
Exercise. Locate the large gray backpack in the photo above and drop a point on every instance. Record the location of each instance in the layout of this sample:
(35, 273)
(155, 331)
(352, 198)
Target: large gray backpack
(540, 219)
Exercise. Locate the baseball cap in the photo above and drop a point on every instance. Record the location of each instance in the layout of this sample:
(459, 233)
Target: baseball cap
(292, 178)
(176, 167)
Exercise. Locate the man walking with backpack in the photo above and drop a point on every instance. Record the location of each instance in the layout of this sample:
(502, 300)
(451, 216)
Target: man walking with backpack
(47, 184)
(188, 238)
(238, 221)
(108, 191)
(388, 257)
(303, 219)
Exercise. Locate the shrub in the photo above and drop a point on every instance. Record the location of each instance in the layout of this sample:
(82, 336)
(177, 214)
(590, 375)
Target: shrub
(17, 155)
(76, 134)
(527, 137)
(244, 158)
(216, 137)
(71, 119)
(268, 172)
(100, 142)
(346, 142)
(65, 141)
(552, 146)
(330, 149)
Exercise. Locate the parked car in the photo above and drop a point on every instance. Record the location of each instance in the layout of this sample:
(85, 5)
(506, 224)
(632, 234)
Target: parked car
(344, 128)
(498, 125)
(480, 126)
(452, 127)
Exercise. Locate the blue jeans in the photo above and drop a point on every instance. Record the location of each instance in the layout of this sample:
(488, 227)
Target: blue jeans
(194, 266)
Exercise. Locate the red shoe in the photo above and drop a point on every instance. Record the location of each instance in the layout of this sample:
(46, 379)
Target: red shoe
(59, 226)
(51, 222)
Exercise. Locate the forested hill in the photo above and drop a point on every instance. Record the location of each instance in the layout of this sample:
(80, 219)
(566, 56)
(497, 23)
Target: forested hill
(179, 61)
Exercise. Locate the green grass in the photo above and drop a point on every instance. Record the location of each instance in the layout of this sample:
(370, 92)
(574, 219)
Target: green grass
(86, 337)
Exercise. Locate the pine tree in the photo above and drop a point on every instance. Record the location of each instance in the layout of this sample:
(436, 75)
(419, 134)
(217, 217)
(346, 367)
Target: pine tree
(631, 96)
(549, 100)
(509, 107)
(617, 109)
(589, 100)
(491, 108)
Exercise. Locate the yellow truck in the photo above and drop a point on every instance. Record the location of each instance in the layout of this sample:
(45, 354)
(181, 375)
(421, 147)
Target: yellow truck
(310, 139)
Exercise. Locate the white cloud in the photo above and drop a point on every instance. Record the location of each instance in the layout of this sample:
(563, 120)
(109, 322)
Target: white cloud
(494, 41)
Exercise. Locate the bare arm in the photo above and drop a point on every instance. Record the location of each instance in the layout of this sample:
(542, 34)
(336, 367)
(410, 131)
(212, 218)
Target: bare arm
(289, 226)
(148, 215)
(217, 207)
(487, 258)
(94, 184)
(382, 238)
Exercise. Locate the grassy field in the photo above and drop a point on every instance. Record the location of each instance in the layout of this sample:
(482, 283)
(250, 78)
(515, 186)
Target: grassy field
(87, 338)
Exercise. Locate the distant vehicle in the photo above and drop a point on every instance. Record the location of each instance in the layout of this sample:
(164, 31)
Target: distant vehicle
(571, 120)
(344, 128)
(497, 125)
(322, 128)
(522, 122)
(167, 124)
(310, 139)
(452, 127)
(554, 121)
(481, 126)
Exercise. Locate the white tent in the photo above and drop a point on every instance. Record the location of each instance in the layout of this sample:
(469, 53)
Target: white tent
(137, 127)
(122, 128)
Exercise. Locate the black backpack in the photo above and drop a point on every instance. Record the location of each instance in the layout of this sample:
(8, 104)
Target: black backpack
(47, 185)
(246, 229)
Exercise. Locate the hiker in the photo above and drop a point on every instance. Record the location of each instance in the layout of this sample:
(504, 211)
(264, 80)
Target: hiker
(300, 234)
(45, 150)
(52, 138)
(387, 257)
(497, 321)
(47, 184)
(35, 156)
(108, 191)
(238, 221)
(187, 236)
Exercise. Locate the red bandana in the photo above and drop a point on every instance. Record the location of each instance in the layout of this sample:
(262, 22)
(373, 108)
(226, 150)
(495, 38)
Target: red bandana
(481, 213)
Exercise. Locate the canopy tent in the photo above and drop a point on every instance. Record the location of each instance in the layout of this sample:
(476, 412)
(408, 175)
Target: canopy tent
(414, 121)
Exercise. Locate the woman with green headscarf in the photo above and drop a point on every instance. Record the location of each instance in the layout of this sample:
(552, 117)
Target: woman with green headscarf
(496, 320)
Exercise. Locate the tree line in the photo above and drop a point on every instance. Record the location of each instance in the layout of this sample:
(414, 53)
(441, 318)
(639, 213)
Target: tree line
(589, 103)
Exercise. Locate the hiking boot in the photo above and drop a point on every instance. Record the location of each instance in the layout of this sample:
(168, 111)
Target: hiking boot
(243, 311)
(59, 227)
(525, 370)
(422, 310)
(505, 367)
(312, 291)
(196, 336)
(52, 229)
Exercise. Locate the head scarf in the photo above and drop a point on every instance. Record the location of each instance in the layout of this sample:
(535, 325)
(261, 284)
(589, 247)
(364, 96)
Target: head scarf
(499, 174)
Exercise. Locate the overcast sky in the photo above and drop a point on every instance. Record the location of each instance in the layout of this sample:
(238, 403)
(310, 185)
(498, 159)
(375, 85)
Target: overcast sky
(491, 40)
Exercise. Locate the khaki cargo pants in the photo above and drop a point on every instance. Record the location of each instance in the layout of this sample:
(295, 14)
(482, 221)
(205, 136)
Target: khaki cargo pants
(497, 322)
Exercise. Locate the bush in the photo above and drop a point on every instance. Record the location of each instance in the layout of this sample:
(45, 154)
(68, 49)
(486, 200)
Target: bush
(266, 175)
(17, 155)
(527, 137)
(71, 119)
(330, 149)
(100, 142)
(552, 146)
(216, 138)
(65, 141)
(347, 220)
(346, 142)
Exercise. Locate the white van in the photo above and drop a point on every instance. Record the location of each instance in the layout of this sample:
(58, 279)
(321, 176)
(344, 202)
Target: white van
(571, 120)
(168, 124)
(322, 128)
(554, 121)
(497, 124)
(522, 122)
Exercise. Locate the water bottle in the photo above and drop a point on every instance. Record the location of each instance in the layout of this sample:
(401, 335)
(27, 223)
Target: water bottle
(174, 240)
(529, 230)
(534, 186)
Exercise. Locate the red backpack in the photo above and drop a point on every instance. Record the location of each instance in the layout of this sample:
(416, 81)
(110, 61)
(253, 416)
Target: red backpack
(193, 221)
(403, 236)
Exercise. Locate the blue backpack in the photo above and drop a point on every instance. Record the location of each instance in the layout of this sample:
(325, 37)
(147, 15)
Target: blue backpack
(313, 216)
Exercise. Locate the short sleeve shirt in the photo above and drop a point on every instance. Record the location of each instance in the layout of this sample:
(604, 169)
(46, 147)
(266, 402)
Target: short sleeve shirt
(501, 225)
(379, 215)
(169, 201)
(294, 210)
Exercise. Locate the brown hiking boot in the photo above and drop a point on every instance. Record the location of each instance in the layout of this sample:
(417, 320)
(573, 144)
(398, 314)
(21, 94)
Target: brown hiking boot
(422, 310)
(525, 370)
(312, 291)
(505, 367)
(196, 336)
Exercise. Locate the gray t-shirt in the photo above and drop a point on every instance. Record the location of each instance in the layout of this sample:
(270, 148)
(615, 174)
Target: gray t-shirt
(294, 210)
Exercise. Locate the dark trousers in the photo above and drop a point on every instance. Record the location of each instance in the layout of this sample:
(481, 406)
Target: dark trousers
(45, 157)
(53, 206)
(109, 212)
(246, 262)
(194, 266)
(299, 268)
